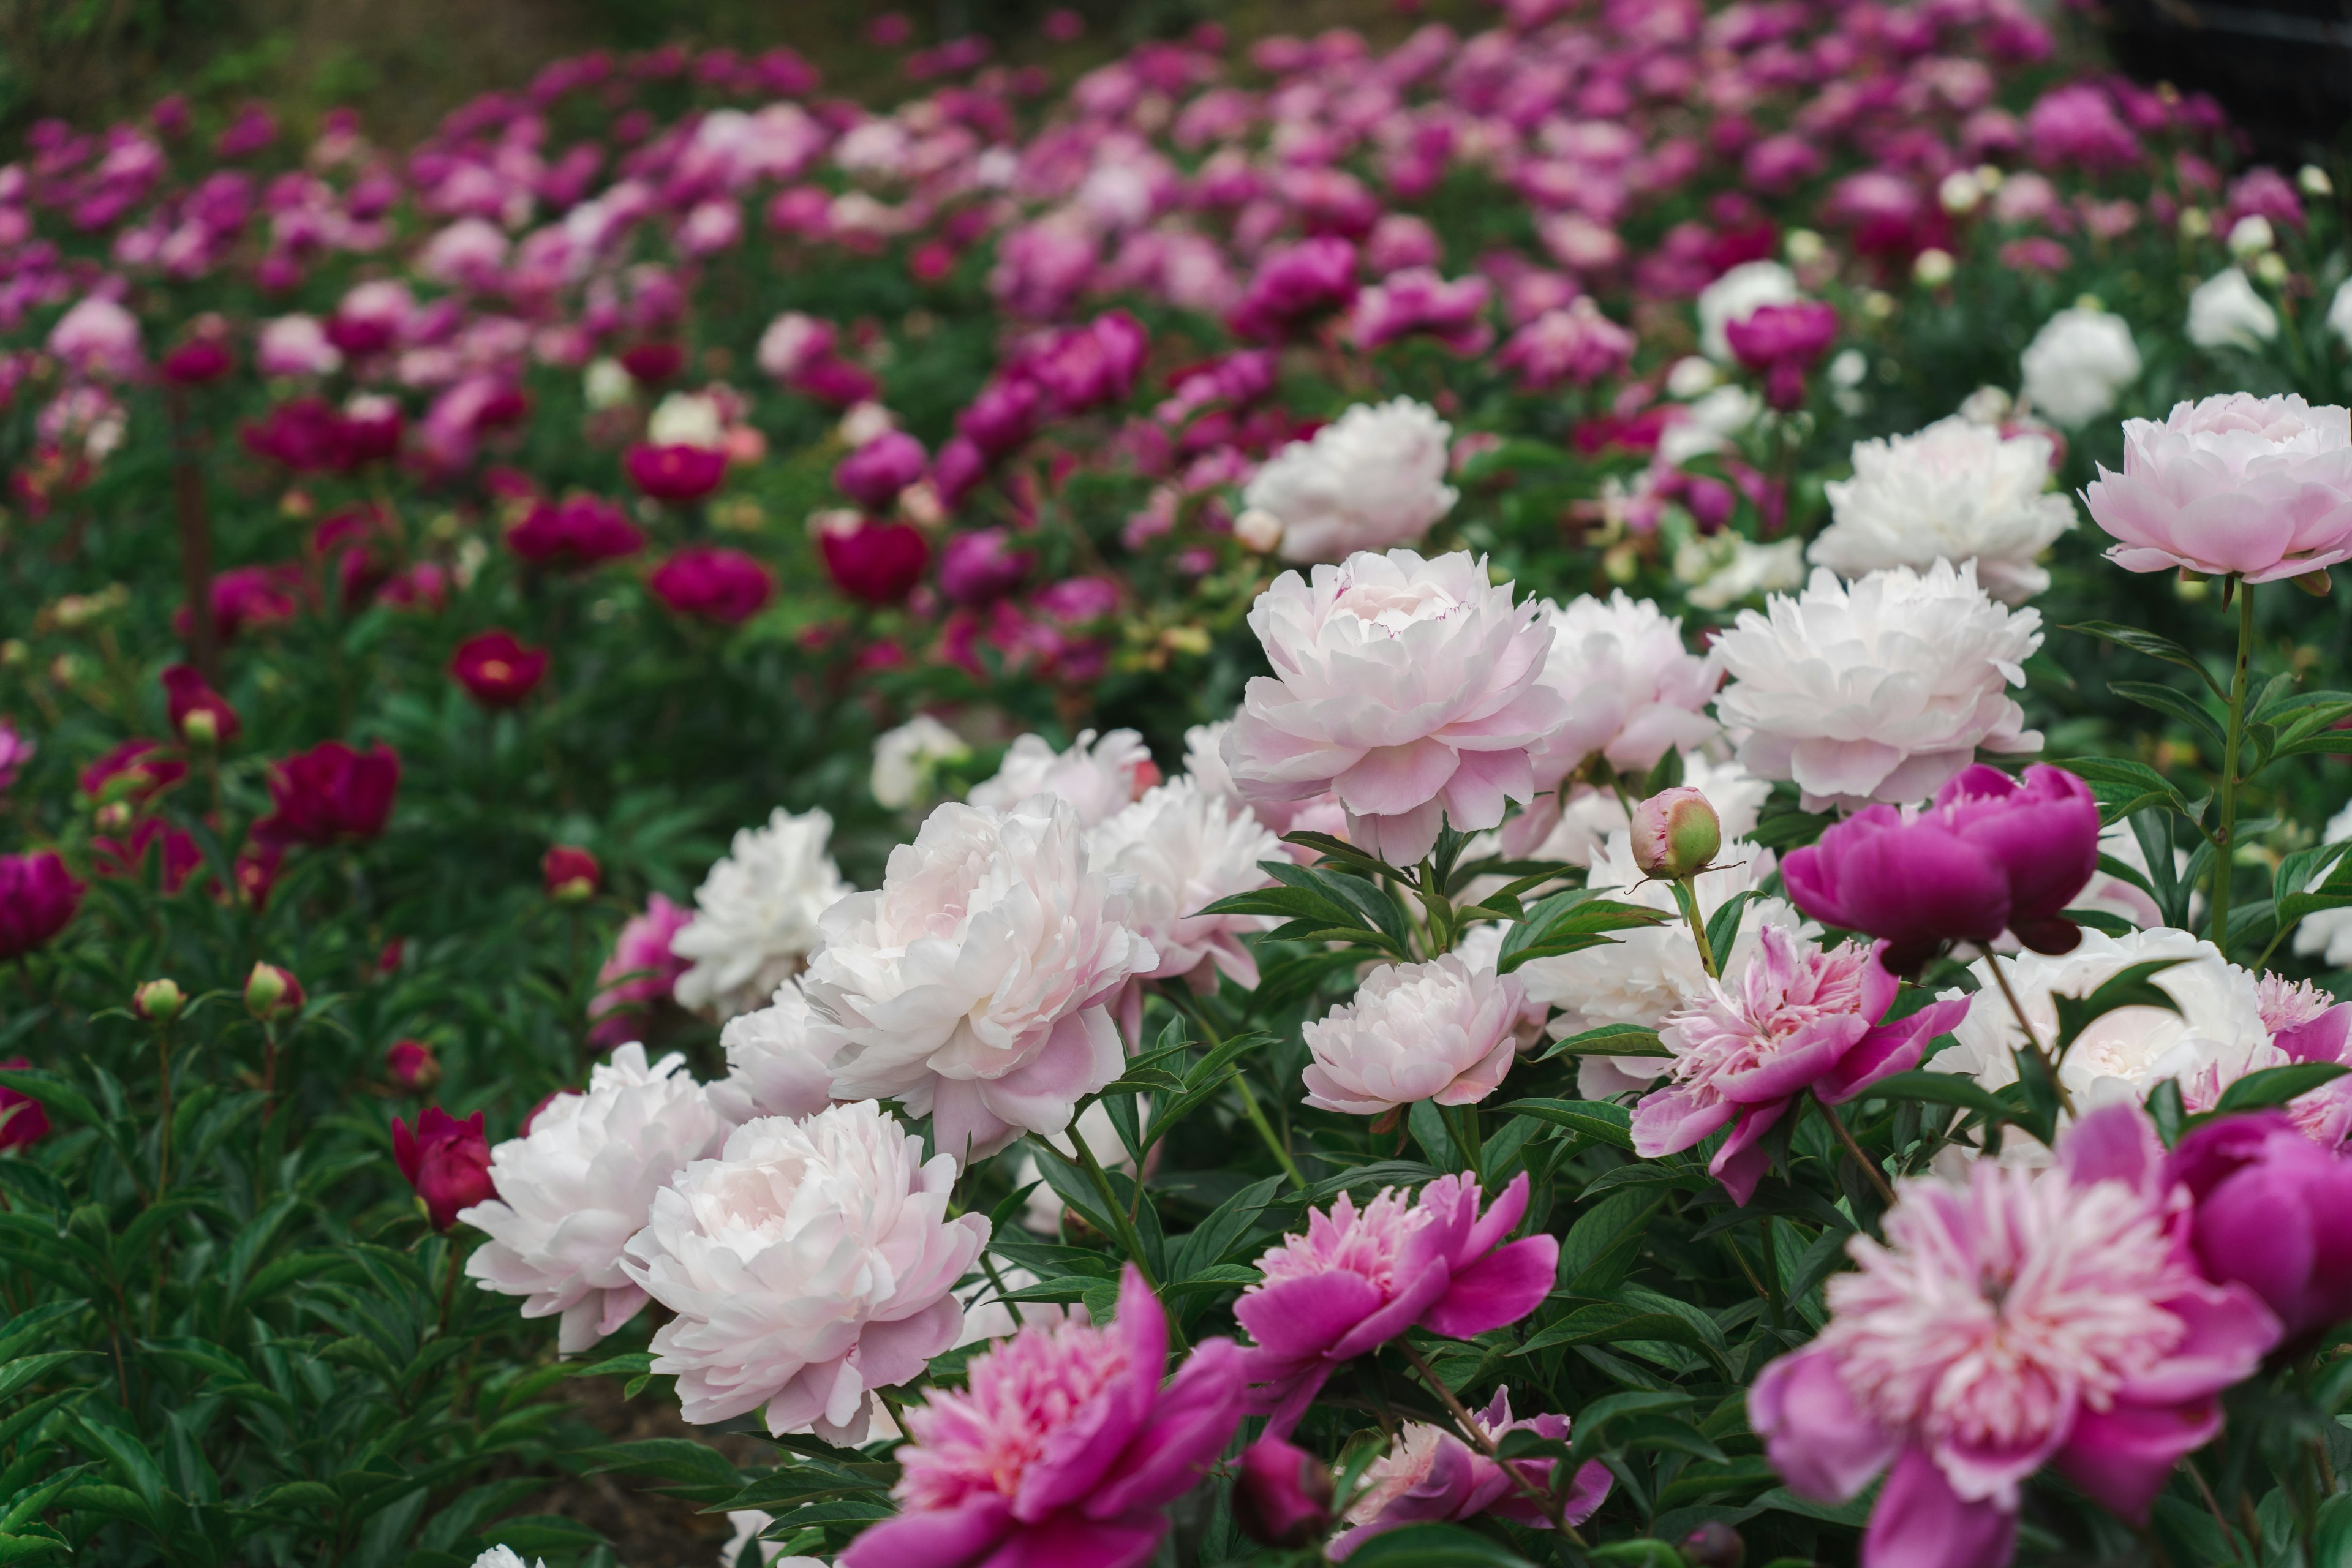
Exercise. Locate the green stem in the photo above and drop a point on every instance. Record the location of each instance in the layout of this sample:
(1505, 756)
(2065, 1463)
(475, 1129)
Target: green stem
(1128, 1238)
(2225, 826)
(1869, 1166)
(164, 1129)
(1256, 1114)
(1687, 897)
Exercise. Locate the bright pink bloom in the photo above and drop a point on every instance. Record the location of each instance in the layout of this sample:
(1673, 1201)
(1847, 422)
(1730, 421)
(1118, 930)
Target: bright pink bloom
(22, 1119)
(713, 583)
(411, 1066)
(1432, 1475)
(1282, 1494)
(2273, 1215)
(674, 473)
(1992, 854)
(2310, 1026)
(1360, 1277)
(1418, 300)
(1063, 1450)
(873, 475)
(17, 749)
(37, 899)
(879, 562)
(2024, 1319)
(1002, 416)
(1294, 286)
(2076, 124)
(2257, 486)
(496, 670)
(1783, 342)
(1576, 344)
(1800, 1019)
(981, 565)
(641, 972)
(1088, 366)
(185, 694)
(576, 532)
(446, 1161)
(330, 793)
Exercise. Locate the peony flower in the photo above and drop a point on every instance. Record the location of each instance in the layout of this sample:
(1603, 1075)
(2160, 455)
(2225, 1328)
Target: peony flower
(38, 898)
(879, 563)
(1360, 1277)
(2273, 1215)
(98, 338)
(1782, 343)
(1282, 1494)
(569, 874)
(979, 566)
(1440, 1031)
(2076, 364)
(1185, 849)
(905, 758)
(810, 1263)
(1633, 693)
(446, 1160)
(2308, 1025)
(575, 533)
(496, 670)
(1880, 690)
(1372, 478)
(971, 986)
(1418, 299)
(1956, 491)
(2328, 932)
(328, 794)
(580, 1181)
(2261, 487)
(1990, 855)
(873, 475)
(186, 696)
(2339, 313)
(1409, 689)
(2023, 1319)
(1800, 1019)
(411, 1066)
(2224, 311)
(1294, 285)
(1576, 344)
(17, 747)
(1098, 778)
(756, 913)
(778, 1062)
(640, 972)
(711, 583)
(1738, 295)
(296, 345)
(1723, 571)
(1062, 1446)
(679, 472)
(1430, 1474)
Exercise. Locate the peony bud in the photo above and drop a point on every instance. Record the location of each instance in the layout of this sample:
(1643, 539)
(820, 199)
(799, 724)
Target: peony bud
(1258, 530)
(1933, 269)
(1713, 1544)
(201, 730)
(270, 991)
(1282, 1496)
(571, 875)
(2251, 237)
(2196, 223)
(2271, 268)
(411, 1066)
(2315, 181)
(158, 1001)
(1675, 832)
(446, 1161)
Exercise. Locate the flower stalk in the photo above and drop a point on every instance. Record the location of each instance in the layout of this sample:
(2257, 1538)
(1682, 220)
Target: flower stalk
(2226, 798)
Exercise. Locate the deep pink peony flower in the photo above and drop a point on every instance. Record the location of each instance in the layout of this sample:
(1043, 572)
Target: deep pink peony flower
(22, 1119)
(1576, 344)
(981, 565)
(1783, 343)
(641, 972)
(198, 362)
(570, 874)
(1360, 1277)
(676, 472)
(2273, 1215)
(713, 583)
(879, 562)
(1800, 1019)
(411, 1066)
(178, 857)
(1282, 1494)
(1294, 285)
(186, 695)
(136, 771)
(576, 532)
(1992, 854)
(2022, 1320)
(330, 794)
(1431, 1474)
(1063, 1450)
(2310, 1026)
(1004, 415)
(2076, 124)
(446, 1160)
(247, 596)
(17, 749)
(496, 670)
(1418, 300)
(37, 899)
(873, 475)
(1088, 366)
(2257, 486)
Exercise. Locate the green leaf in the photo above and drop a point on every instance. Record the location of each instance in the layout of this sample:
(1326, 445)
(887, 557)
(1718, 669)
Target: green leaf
(1609, 1040)
(2165, 701)
(1723, 926)
(2148, 643)
(1569, 922)
(2276, 1086)
(1932, 1088)
(1611, 1322)
(1596, 1119)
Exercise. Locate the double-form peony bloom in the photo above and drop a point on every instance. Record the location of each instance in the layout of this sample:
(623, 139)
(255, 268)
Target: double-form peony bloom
(1185, 849)
(1955, 491)
(906, 760)
(1782, 343)
(1412, 690)
(2076, 364)
(756, 913)
(575, 533)
(1430, 1474)
(1880, 690)
(1633, 692)
(580, 1181)
(2224, 311)
(1442, 1030)
(973, 985)
(1099, 776)
(1797, 1018)
(1372, 478)
(710, 583)
(2273, 1215)
(2024, 1319)
(809, 1264)
(329, 795)
(778, 1062)
(1360, 1277)
(2261, 487)
(1990, 855)
(1064, 1447)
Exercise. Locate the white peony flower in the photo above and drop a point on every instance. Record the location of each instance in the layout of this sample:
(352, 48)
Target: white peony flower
(2226, 312)
(746, 1523)
(970, 987)
(504, 1557)
(1372, 478)
(1096, 777)
(686, 419)
(906, 760)
(1955, 491)
(2339, 313)
(778, 1062)
(608, 384)
(1633, 693)
(1409, 689)
(1714, 420)
(2218, 1036)
(1440, 1030)
(1727, 568)
(1882, 690)
(756, 913)
(2328, 932)
(1186, 849)
(1738, 295)
(809, 1264)
(577, 1184)
(2076, 364)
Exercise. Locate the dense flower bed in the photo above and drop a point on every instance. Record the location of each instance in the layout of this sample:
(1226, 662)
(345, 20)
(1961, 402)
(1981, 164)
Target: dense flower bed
(1505, 800)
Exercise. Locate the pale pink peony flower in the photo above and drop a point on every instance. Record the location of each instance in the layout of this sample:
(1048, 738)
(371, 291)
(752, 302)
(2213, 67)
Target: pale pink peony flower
(809, 1264)
(971, 986)
(1574, 343)
(99, 337)
(1099, 776)
(1186, 849)
(580, 1181)
(778, 1062)
(1409, 689)
(1633, 692)
(1441, 1031)
(296, 345)
(2257, 486)
(1428, 1474)
(1204, 763)
(2023, 1319)
(1372, 479)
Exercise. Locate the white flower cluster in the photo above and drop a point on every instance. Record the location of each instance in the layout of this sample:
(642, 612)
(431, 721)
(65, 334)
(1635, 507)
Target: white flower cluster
(756, 913)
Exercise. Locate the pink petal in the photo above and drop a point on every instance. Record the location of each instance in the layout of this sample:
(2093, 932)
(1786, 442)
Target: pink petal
(1819, 1439)
(1502, 1214)
(1676, 1118)
(1070, 1541)
(950, 1538)
(2230, 1332)
(1920, 1522)
(1390, 780)
(2124, 1455)
(1308, 1316)
(2113, 1143)
(1889, 1049)
(1741, 1163)
(1189, 1427)
(1501, 1287)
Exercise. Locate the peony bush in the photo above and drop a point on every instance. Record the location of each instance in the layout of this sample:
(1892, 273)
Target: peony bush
(1566, 790)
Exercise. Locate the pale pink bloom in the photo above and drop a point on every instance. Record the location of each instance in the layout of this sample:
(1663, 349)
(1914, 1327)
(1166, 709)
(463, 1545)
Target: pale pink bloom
(1441, 1031)
(2256, 486)
(2311, 1025)
(1577, 344)
(99, 337)
(1417, 300)
(467, 254)
(1634, 691)
(1187, 849)
(1431, 1474)
(296, 345)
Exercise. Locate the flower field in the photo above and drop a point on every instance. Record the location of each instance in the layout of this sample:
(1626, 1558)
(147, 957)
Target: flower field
(1572, 792)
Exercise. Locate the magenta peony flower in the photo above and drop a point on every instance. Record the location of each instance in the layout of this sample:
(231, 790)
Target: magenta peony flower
(1576, 344)
(1063, 1449)
(330, 794)
(186, 696)
(1992, 854)
(713, 583)
(1360, 1277)
(1294, 285)
(496, 670)
(1782, 343)
(1802, 1019)
(37, 899)
(1282, 1494)
(641, 972)
(2076, 124)
(411, 1066)
(981, 565)
(2257, 486)
(873, 475)
(1002, 416)
(677, 472)
(1431, 1474)
(1419, 301)
(2022, 1320)
(2273, 1215)
(577, 533)
(1087, 366)
(17, 749)
(879, 562)
(98, 338)
(446, 1160)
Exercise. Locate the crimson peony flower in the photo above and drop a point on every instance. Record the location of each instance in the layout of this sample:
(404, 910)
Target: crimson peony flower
(197, 361)
(446, 1160)
(330, 794)
(411, 1066)
(570, 874)
(676, 473)
(37, 899)
(879, 562)
(135, 771)
(190, 700)
(576, 532)
(1296, 284)
(496, 670)
(1782, 343)
(713, 583)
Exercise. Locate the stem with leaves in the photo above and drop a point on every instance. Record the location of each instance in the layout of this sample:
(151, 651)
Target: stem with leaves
(2226, 798)
(1555, 1507)
(1687, 897)
(2033, 1041)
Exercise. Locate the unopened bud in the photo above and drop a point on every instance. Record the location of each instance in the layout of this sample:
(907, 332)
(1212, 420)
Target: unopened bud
(1713, 1544)
(2271, 268)
(411, 1066)
(1932, 269)
(2195, 223)
(2315, 181)
(1282, 1496)
(1258, 530)
(571, 875)
(2251, 237)
(159, 1001)
(200, 729)
(269, 991)
(1675, 832)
